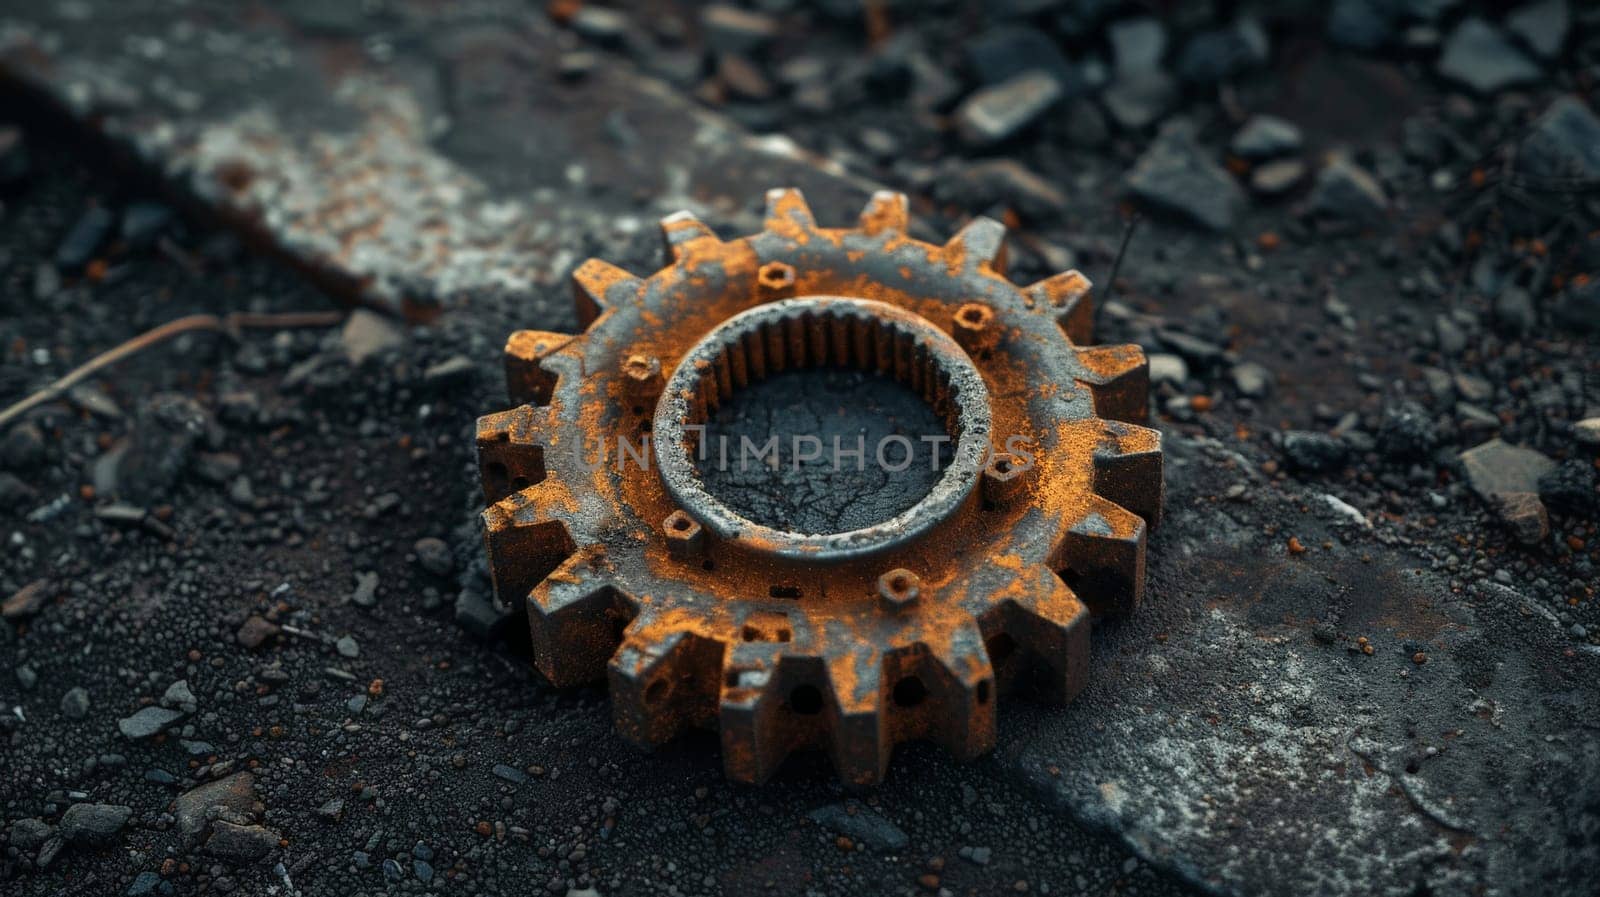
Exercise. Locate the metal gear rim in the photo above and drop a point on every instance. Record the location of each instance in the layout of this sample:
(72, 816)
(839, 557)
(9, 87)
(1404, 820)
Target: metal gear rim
(778, 653)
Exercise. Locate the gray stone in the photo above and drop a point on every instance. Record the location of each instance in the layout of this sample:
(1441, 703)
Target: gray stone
(94, 824)
(84, 238)
(255, 631)
(1514, 311)
(1176, 176)
(434, 555)
(240, 844)
(1138, 100)
(366, 593)
(1361, 24)
(28, 833)
(75, 703)
(1001, 53)
(1541, 25)
(1221, 53)
(347, 647)
(332, 811)
(1165, 368)
(1313, 451)
(179, 696)
(1345, 190)
(148, 721)
(1507, 479)
(1478, 56)
(231, 798)
(1251, 379)
(1563, 144)
(990, 182)
(1137, 45)
(994, 114)
(368, 334)
(1266, 137)
(856, 821)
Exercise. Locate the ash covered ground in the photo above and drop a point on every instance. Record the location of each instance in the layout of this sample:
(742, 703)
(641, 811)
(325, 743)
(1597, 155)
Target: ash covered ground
(248, 645)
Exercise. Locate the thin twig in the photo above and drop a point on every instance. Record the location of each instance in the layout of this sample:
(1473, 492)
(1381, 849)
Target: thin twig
(229, 325)
(1116, 265)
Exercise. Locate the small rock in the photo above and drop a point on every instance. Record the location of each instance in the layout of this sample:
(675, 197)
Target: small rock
(179, 696)
(1541, 26)
(1277, 177)
(148, 721)
(1407, 431)
(367, 334)
(1345, 190)
(84, 239)
(23, 447)
(601, 24)
(28, 833)
(1003, 182)
(1002, 53)
(1175, 176)
(1570, 488)
(1361, 24)
(240, 844)
(1514, 311)
(1313, 451)
(231, 798)
(26, 601)
(1165, 368)
(861, 824)
(1266, 137)
(366, 593)
(144, 884)
(434, 555)
(255, 631)
(994, 114)
(1587, 431)
(1251, 379)
(143, 222)
(75, 703)
(1478, 56)
(347, 647)
(510, 774)
(1139, 100)
(1137, 45)
(1507, 479)
(27, 677)
(332, 811)
(14, 493)
(477, 614)
(1221, 53)
(94, 824)
(453, 371)
(730, 29)
(1563, 144)
(743, 78)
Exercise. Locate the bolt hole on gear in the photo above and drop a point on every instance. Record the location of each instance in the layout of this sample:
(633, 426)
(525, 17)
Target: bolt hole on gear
(851, 642)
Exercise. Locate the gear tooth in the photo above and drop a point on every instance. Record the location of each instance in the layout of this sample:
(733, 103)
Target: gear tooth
(511, 451)
(1066, 295)
(1040, 635)
(787, 211)
(965, 686)
(1101, 557)
(527, 382)
(981, 244)
(524, 545)
(598, 285)
(860, 741)
(750, 712)
(576, 617)
(886, 212)
(663, 681)
(1128, 468)
(681, 231)
(1119, 378)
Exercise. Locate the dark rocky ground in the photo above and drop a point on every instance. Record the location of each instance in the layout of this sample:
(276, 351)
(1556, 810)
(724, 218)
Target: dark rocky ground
(1369, 654)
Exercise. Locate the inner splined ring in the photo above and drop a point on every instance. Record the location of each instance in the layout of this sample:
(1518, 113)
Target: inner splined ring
(822, 332)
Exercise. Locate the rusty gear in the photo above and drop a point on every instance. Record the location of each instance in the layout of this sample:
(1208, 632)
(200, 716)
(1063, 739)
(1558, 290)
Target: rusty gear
(853, 642)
